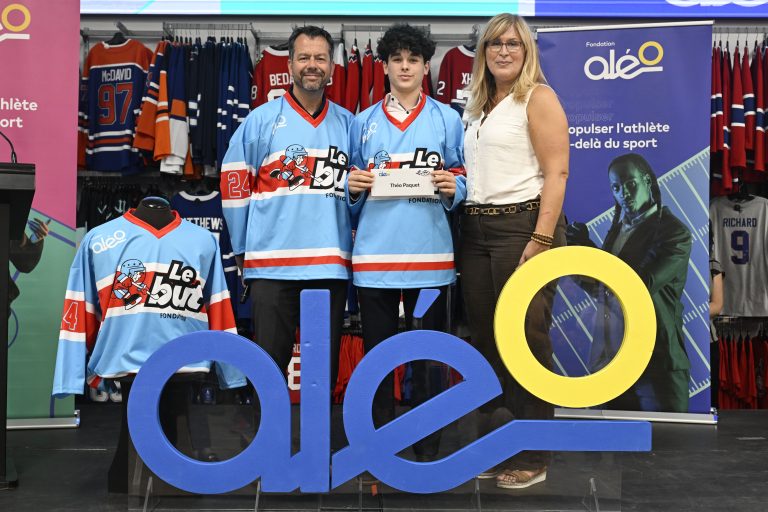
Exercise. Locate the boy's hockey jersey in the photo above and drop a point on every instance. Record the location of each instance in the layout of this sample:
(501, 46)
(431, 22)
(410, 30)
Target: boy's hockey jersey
(110, 98)
(405, 242)
(133, 288)
(454, 76)
(282, 189)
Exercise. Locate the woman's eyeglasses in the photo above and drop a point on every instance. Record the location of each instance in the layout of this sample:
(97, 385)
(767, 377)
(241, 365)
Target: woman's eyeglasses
(512, 46)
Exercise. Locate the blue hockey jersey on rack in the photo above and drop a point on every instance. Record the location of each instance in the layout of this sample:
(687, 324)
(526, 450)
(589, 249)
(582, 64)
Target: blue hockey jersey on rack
(405, 242)
(206, 212)
(133, 288)
(282, 185)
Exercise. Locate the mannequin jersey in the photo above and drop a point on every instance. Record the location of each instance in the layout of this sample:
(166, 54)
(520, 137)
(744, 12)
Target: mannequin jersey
(131, 289)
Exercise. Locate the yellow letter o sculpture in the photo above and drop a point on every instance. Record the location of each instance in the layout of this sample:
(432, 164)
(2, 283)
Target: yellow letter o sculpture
(639, 326)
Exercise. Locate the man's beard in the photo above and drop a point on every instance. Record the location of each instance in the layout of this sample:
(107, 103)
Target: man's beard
(311, 85)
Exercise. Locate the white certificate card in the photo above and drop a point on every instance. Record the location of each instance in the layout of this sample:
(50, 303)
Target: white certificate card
(399, 182)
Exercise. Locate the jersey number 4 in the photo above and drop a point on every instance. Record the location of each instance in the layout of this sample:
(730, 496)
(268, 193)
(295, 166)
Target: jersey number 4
(114, 98)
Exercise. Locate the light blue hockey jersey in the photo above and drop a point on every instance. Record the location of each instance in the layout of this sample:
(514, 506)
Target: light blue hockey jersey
(133, 288)
(282, 186)
(406, 242)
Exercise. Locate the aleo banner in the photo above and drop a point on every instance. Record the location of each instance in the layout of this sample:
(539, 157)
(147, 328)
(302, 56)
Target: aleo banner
(38, 113)
(637, 102)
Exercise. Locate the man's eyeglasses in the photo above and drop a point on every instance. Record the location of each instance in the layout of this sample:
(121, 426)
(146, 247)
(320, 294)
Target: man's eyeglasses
(512, 46)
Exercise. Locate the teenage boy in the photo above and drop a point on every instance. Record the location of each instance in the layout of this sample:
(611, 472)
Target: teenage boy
(403, 244)
(282, 188)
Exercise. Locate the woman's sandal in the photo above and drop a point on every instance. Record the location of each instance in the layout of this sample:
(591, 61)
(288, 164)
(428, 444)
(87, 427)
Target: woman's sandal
(490, 473)
(520, 479)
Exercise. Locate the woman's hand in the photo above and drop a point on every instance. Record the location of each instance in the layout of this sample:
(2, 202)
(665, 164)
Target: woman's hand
(531, 250)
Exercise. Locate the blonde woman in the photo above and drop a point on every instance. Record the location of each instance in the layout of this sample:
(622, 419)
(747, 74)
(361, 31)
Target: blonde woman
(516, 151)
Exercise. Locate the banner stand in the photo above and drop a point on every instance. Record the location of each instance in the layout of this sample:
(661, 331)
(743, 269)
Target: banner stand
(44, 423)
(660, 417)
(623, 132)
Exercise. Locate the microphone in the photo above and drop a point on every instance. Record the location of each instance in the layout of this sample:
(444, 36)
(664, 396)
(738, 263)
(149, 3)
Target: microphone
(13, 151)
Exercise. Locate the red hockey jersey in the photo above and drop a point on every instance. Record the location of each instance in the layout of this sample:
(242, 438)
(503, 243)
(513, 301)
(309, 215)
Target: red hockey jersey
(270, 76)
(352, 86)
(336, 88)
(366, 78)
(454, 76)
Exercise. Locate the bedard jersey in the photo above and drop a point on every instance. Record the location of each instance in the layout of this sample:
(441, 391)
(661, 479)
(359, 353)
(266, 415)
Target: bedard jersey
(110, 98)
(740, 234)
(405, 242)
(132, 289)
(454, 76)
(282, 189)
(270, 76)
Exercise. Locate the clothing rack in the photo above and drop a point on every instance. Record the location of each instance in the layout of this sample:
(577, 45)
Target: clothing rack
(736, 325)
(106, 34)
(373, 29)
(195, 29)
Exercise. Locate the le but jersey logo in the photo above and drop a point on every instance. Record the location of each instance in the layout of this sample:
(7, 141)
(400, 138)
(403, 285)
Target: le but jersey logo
(178, 289)
(372, 449)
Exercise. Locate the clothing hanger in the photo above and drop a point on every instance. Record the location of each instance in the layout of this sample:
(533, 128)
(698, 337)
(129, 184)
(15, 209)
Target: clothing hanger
(473, 37)
(117, 39)
(742, 195)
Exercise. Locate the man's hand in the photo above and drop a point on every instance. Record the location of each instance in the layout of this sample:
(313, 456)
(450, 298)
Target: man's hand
(359, 181)
(577, 233)
(39, 231)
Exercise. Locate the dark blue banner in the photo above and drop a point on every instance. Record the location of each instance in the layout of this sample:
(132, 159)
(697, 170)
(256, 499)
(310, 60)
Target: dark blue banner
(637, 100)
(654, 8)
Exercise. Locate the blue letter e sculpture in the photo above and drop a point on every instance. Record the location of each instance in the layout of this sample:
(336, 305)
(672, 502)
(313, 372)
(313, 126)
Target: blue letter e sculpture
(370, 449)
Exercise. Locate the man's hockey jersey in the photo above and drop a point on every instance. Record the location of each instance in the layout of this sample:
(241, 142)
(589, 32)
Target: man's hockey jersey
(111, 91)
(133, 288)
(454, 76)
(282, 189)
(406, 242)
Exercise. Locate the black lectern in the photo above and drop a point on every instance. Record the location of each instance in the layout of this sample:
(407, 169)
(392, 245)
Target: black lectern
(17, 187)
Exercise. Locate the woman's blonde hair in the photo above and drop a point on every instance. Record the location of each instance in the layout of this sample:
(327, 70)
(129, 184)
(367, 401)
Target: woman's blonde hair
(482, 89)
